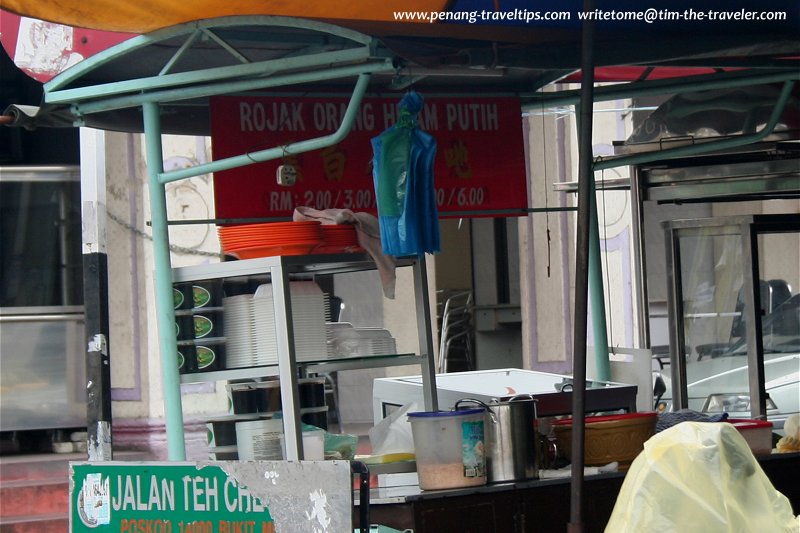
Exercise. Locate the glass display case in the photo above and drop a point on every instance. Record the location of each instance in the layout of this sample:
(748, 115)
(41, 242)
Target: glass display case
(735, 315)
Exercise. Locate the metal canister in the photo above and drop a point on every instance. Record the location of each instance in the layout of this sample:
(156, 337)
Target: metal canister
(511, 439)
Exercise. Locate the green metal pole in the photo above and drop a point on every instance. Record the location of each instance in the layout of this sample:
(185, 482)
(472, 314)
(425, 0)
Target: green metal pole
(165, 312)
(190, 82)
(279, 151)
(135, 99)
(708, 82)
(596, 292)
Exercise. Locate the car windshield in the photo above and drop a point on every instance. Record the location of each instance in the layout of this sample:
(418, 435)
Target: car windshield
(721, 381)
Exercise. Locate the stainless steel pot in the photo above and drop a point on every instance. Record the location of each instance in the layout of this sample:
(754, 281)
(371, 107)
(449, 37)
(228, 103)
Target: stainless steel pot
(511, 439)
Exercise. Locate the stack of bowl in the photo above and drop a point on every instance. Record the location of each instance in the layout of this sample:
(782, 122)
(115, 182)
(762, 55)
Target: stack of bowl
(248, 241)
(339, 239)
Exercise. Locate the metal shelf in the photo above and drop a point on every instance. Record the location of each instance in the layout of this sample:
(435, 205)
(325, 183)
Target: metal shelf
(327, 365)
(281, 269)
(231, 374)
(357, 363)
(297, 264)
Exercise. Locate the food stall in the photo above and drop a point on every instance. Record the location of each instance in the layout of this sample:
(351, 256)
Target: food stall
(104, 93)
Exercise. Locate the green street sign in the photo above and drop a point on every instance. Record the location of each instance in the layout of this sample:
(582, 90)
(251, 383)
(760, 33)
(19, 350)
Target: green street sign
(211, 497)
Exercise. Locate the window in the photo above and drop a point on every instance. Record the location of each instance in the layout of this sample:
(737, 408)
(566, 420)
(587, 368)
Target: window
(40, 237)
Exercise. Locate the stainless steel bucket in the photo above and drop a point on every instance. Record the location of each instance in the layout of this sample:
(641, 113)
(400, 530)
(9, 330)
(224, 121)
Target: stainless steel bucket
(511, 439)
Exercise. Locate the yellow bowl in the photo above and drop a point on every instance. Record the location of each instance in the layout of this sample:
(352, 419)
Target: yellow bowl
(607, 439)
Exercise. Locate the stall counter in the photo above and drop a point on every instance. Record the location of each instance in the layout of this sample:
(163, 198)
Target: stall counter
(532, 505)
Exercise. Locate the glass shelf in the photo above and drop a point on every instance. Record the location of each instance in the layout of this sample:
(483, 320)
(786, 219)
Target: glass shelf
(295, 264)
(319, 366)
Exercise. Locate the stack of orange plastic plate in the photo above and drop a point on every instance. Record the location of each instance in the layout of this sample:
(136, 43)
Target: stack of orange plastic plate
(339, 238)
(248, 241)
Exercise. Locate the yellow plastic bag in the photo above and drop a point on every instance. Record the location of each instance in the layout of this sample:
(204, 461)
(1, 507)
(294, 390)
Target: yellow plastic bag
(698, 476)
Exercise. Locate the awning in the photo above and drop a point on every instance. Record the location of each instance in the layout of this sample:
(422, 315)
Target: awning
(656, 19)
(437, 58)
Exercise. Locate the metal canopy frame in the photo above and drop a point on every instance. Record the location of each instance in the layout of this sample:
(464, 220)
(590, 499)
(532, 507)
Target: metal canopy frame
(352, 54)
(333, 52)
(163, 271)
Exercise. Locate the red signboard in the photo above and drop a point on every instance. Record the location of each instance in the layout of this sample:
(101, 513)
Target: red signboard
(480, 161)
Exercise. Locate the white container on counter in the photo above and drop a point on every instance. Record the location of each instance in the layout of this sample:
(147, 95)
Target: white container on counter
(449, 447)
(259, 440)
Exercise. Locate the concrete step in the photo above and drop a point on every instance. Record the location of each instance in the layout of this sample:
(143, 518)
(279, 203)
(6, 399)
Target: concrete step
(34, 490)
(37, 467)
(54, 523)
(51, 465)
(27, 499)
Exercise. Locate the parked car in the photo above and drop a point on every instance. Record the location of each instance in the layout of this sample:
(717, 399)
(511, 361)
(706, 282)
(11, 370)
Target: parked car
(719, 382)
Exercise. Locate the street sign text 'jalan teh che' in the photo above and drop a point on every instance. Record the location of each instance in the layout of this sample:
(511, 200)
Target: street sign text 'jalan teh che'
(479, 165)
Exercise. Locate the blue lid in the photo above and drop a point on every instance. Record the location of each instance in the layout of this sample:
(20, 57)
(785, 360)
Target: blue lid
(434, 414)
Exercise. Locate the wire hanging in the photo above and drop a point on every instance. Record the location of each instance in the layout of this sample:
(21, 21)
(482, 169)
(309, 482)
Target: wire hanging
(546, 206)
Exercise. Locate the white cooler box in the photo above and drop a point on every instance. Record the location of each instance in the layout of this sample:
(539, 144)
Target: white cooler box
(552, 391)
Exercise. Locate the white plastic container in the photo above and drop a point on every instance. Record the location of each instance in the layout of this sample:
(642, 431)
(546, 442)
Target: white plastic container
(449, 447)
(259, 440)
(313, 445)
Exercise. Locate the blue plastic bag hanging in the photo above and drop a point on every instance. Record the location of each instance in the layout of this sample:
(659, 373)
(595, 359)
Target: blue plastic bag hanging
(402, 171)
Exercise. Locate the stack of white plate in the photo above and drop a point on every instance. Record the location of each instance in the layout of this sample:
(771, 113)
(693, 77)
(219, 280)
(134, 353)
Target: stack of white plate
(266, 346)
(239, 331)
(376, 341)
(309, 312)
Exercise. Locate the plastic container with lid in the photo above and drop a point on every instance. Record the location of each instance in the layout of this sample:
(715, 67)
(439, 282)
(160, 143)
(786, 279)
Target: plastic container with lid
(757, 433)
(449, 447)
(259, 440)
(206, 355)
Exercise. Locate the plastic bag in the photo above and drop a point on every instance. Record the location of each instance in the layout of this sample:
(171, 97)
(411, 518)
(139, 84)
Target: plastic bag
(340, 446)
(699, 476)
(392, 435)
(402, 169)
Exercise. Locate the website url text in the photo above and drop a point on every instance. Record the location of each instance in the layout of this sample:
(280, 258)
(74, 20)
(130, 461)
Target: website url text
(649, 16)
